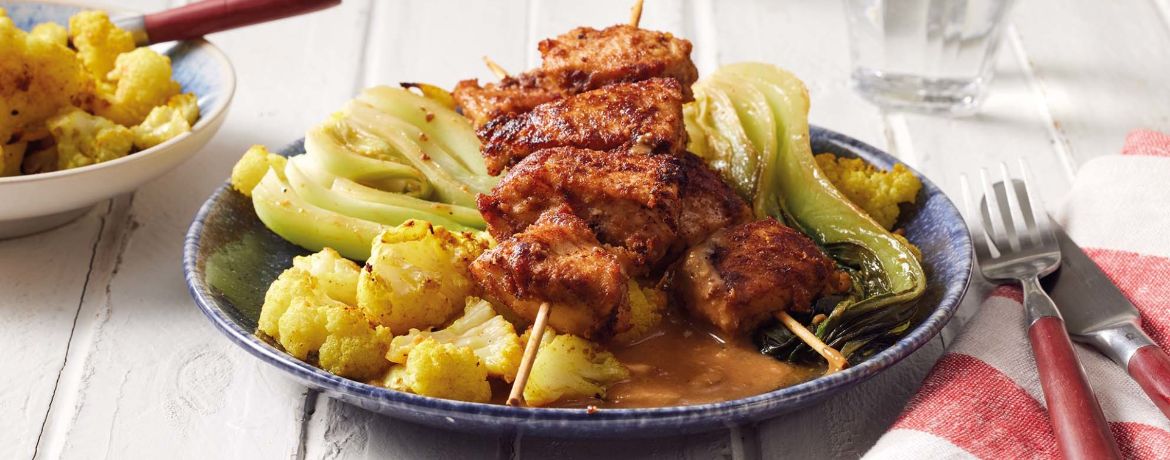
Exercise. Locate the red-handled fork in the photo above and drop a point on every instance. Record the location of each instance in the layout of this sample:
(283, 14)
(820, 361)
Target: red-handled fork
(1014, 241)
(208, 16)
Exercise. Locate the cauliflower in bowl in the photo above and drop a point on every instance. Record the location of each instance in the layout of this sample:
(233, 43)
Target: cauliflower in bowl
(83, 95)
(878, 193)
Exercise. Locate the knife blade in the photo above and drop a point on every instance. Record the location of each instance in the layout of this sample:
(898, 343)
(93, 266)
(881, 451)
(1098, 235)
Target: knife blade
(1097, 313)
(1085, 296)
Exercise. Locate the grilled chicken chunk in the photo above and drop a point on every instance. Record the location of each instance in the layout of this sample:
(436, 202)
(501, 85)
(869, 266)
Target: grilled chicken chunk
(633, 202)
(623, 116)
(581, 60)
(511, 95)
(708, 203)
(742, 275)
(557, 260)
(586, 58)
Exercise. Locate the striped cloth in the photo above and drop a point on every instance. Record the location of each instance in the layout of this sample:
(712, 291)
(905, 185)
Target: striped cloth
(983, 398)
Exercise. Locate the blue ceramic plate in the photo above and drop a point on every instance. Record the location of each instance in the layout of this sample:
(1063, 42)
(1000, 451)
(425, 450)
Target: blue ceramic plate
(230, 258)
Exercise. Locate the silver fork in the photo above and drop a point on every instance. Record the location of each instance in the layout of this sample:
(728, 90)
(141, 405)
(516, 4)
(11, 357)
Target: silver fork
(1014, 242)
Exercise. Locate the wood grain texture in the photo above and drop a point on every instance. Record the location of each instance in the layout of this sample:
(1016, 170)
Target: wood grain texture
(42, 278)
(1102, 68)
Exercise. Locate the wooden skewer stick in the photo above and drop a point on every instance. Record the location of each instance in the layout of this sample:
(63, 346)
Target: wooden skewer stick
(495, 68)
(835, 358)
(636, 13)
(516, 397)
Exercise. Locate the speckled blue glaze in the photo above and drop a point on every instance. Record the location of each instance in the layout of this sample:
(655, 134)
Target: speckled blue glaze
(197, 66)
(230, 258)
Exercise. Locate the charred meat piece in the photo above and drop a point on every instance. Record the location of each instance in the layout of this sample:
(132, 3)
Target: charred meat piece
(708, 203)
(586, 58)
(557, 260)
(646, 115)
(742, 275)
(511, 95)
(632, 202)
(581, 60)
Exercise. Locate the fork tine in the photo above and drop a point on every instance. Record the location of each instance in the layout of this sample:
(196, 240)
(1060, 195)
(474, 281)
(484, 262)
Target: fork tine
(1022, 228)
(993, 218)
(971, 207)
(1038, 213)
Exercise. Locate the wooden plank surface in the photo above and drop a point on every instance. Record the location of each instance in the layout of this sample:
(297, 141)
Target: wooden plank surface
(115, 361)
(42, 278)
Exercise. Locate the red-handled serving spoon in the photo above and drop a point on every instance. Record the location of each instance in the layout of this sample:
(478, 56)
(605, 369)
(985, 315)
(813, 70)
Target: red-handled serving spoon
(208, 16)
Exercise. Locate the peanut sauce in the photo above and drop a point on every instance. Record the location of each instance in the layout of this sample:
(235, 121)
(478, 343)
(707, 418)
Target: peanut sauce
(683, 362)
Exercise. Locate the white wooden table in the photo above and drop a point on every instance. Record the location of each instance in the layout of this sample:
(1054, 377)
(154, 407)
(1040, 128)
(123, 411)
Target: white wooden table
(107, 356)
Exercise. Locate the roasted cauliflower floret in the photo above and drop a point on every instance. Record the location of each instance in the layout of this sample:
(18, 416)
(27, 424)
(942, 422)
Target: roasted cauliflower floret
(302, 315)
(98, 42)
(646, 306)
(50, 32)
(490, 337)
(167, 121)
(339, 335)
(417, 275)
(876, 192)
(37, 78)
(569, 367)
(83, 139)
(141, 80)
(444, 370)
(337, 275)
(353, 348)
(252, 167)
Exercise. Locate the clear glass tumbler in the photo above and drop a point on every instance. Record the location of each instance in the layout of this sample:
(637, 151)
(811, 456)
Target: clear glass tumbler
(933, 56)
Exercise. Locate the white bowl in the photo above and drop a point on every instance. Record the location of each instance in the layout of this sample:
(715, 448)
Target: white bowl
(38, 202)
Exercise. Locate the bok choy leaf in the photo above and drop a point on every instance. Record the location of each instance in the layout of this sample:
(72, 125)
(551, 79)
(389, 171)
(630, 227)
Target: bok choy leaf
(750, 122)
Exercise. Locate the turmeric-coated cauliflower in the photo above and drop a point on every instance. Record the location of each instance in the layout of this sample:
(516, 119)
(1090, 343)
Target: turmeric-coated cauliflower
(305, 311)
(569, 367)
(646, 306)
(167, 121)
(444, 370)
(98, 42)
(83, 139)
(37, 78)
(141, 80)
(491, 337)
(337, 275)
(252, 167)
(876, 192)
(417, 275)
(50, 32)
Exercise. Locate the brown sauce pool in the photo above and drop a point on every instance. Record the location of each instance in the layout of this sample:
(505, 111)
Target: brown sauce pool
(684, 363)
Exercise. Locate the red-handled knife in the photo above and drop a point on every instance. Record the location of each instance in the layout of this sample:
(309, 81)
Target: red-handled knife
(208, 16)
(1097, 313)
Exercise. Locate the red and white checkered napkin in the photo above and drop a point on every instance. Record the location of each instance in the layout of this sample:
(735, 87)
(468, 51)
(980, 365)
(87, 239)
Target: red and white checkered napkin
(983, 398)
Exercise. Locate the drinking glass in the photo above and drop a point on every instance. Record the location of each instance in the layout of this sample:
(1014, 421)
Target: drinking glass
(933, 56)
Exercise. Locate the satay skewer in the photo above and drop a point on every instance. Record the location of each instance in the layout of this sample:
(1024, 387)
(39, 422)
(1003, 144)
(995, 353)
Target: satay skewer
(835, 358)
(516, 397)
(495, 68)
(636, 13)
